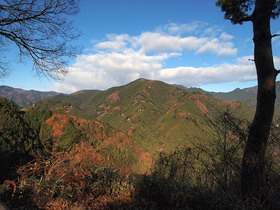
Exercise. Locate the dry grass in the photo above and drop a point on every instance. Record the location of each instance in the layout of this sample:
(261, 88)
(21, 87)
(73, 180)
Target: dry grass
(79, 178)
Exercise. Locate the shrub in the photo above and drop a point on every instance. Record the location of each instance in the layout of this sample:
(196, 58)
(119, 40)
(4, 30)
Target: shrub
(78, 177)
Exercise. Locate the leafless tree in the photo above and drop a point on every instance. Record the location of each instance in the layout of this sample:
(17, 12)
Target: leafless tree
(41, 31)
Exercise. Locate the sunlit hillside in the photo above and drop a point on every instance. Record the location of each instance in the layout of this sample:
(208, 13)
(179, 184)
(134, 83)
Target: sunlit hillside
(143, 144)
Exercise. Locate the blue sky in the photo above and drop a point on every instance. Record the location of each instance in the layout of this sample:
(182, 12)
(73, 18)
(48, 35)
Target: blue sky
(185, 42)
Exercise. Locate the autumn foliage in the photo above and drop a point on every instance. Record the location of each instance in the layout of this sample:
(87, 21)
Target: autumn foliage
(116, 145)
(79, 178)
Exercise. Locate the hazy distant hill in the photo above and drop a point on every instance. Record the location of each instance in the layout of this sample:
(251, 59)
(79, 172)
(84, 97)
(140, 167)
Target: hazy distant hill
(23, 97)
(246, 95)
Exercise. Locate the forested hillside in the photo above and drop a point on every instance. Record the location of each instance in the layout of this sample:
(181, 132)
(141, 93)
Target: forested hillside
(150, 112)
(143, 144)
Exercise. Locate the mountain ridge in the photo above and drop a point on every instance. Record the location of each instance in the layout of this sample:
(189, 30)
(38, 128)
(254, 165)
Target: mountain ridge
(23, 97)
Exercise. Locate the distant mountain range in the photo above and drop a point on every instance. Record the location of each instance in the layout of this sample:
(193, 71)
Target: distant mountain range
(23, 97)
(246, 95)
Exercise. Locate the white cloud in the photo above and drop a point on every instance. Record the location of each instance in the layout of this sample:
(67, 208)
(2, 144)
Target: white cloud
(181, 28)
(226, 36)
(114, 43)
(156, 42)
(215, 46)
(122, 58)
(211, 31)
(104, 70)
(191, 76)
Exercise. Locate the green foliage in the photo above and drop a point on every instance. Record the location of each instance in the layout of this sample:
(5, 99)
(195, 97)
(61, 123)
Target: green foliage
(70, 138)
(47, 104)
(18, 139)
(76, 99)
(122, 157)
(178, 166)
(45, 136)
(37, 121)
(16, 135)
(235, 10)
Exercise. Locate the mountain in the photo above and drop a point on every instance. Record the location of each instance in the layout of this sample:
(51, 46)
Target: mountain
(246, 95)
(154, 114)
(23, 97)
(94, 137)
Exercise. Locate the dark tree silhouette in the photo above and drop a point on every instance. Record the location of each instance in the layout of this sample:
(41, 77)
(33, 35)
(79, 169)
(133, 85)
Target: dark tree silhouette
(41, 31)
(260, 13)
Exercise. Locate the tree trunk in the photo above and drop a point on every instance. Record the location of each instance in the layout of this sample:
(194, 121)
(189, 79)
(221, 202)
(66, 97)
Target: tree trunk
(253, 163)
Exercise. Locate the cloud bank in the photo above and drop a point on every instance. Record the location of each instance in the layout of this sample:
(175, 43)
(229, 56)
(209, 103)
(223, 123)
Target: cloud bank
(121, 58)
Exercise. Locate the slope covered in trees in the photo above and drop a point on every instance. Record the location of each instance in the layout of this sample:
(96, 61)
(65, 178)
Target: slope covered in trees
(143, 144)
(150, 112)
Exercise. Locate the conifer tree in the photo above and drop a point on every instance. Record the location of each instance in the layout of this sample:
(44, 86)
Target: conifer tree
(260, 13)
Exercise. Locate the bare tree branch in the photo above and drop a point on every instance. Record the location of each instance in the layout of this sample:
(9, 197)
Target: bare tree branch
(41, 31)
(275, 35)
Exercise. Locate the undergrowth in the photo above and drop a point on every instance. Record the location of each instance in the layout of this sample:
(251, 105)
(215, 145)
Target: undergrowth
(77, 178)
(204, 176)
(207, 175)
